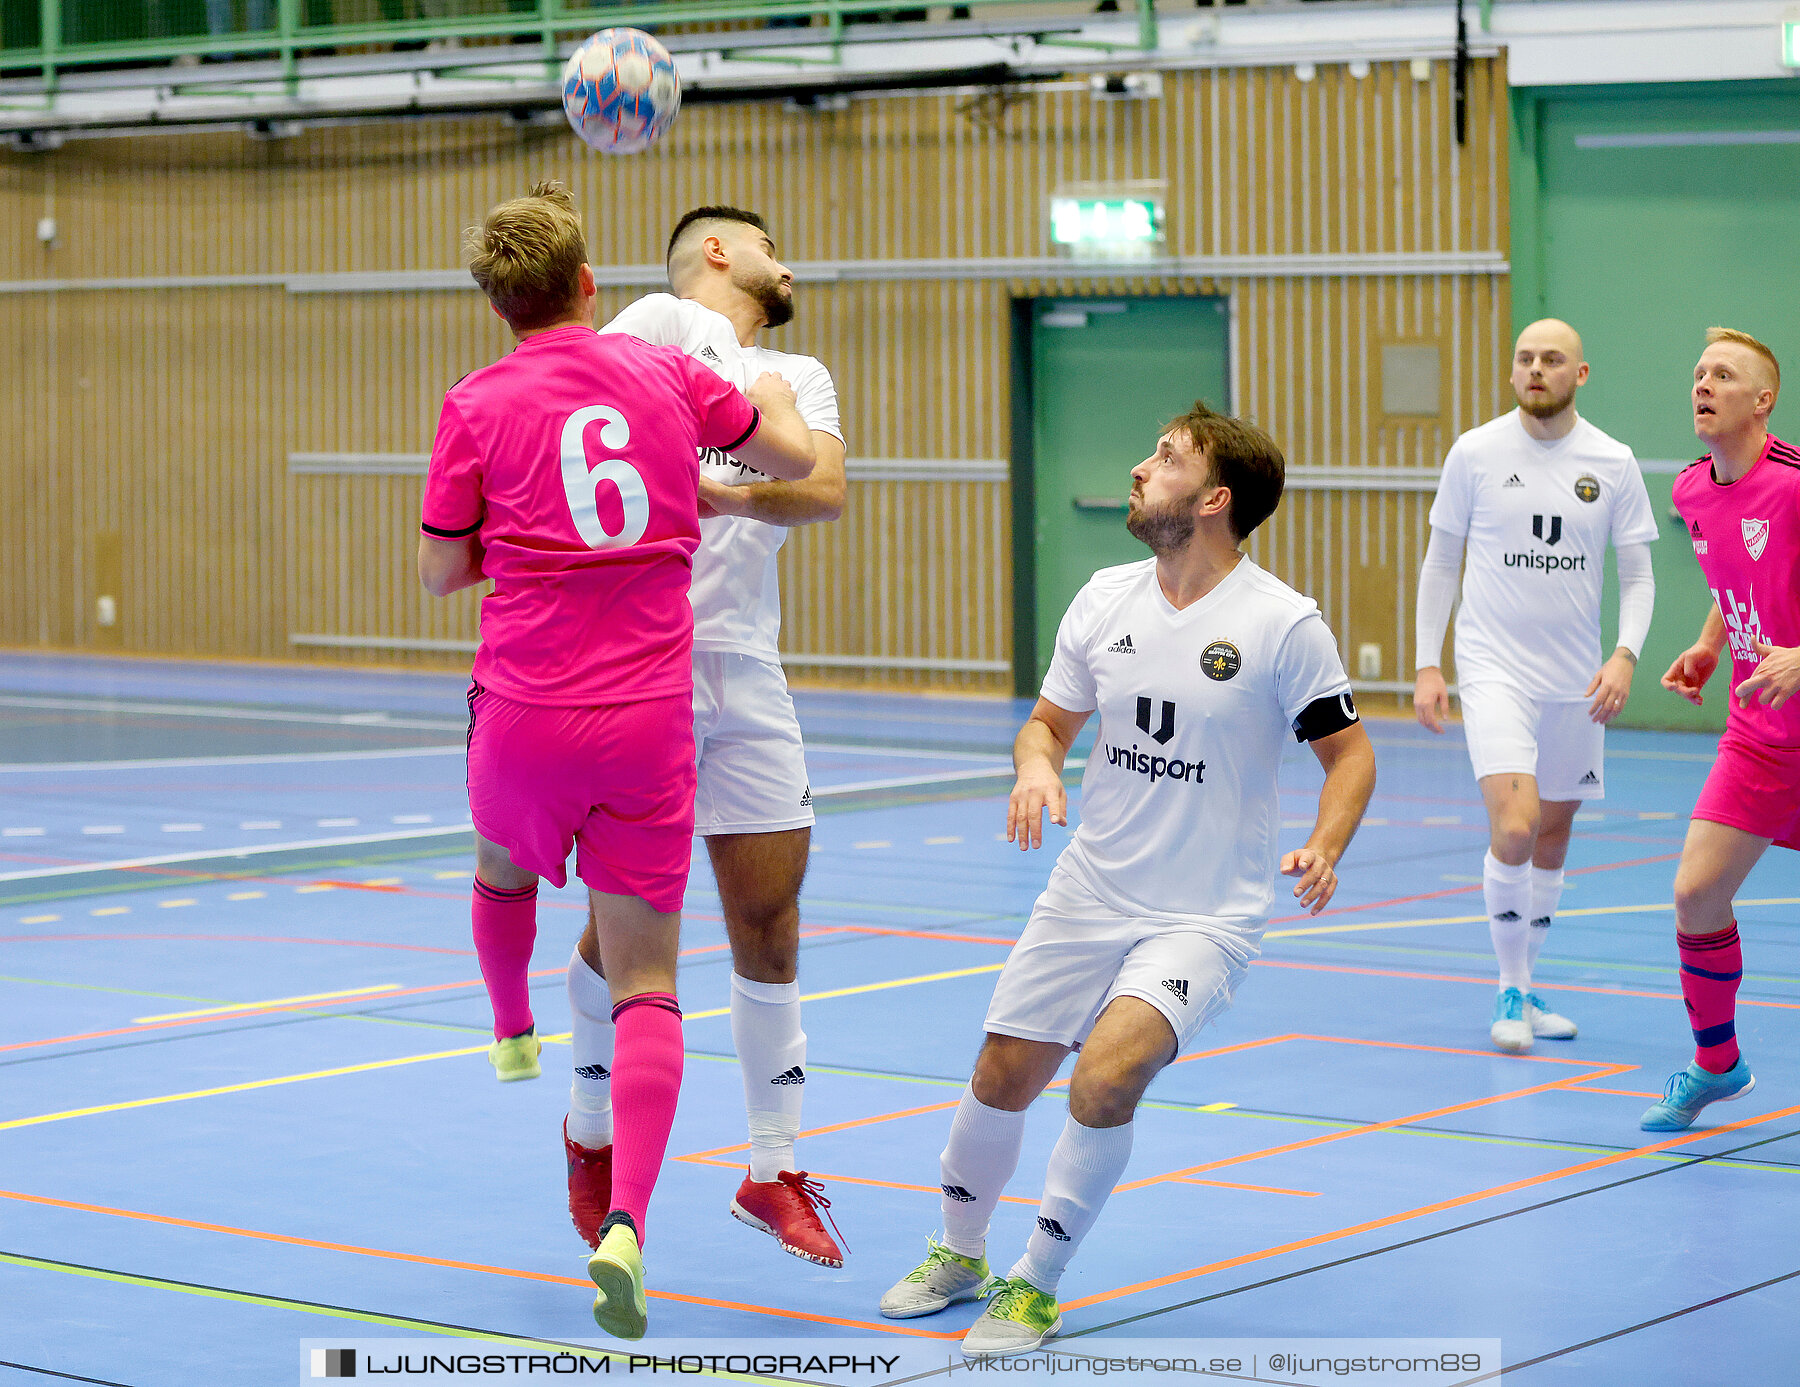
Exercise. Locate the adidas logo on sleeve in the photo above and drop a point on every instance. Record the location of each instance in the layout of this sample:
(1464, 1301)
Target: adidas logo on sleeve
(1512, 481)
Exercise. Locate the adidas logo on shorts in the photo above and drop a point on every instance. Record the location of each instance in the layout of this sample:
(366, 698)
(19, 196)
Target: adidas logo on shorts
(1512, 481)
(1179, 987)
(796, 1075)
(1122, 646)
(806, 798)
(594, 1073)
(958, 1193)
(1053, 1229)
(1589, 779)
(1508, 917)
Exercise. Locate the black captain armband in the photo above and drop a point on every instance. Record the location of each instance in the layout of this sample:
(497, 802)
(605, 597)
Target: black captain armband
(1323, 716)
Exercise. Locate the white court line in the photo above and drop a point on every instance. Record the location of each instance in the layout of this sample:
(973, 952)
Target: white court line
(908, 753)
(230, 713)
(900, 782)
(261, 850)
(180, 762)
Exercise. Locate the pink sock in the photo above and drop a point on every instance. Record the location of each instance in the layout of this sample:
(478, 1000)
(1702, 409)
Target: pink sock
(646, 1081)
(505, 928)
(1712, 965)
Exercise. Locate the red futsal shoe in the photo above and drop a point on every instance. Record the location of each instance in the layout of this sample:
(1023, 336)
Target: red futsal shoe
(590, 1186)
(786, 1207)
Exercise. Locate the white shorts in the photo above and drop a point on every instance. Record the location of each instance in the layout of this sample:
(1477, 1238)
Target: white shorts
(747, 747)
(1511, 733)
(1077, 953)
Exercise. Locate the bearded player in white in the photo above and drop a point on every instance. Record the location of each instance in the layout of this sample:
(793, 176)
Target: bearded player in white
(1536, 494)
(753, 804)
(1201, 665)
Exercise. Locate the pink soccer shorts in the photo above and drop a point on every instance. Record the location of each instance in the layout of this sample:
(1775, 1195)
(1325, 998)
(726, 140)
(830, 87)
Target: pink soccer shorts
(1754, 787)
(615, 783)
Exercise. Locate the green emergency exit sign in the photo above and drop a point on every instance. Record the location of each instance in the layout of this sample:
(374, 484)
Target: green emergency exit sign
(1096, 222)
(1790, 43)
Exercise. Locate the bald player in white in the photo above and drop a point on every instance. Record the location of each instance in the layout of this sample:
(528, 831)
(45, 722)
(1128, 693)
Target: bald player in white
(1535, 495)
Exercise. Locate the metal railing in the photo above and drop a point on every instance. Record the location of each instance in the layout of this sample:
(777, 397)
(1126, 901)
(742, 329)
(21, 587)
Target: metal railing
(49, 38)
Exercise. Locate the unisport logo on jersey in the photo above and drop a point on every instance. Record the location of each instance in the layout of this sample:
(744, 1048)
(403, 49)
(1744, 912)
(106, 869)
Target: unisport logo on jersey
(1158, 723)
(1547, 530)
(718, 457)
(1698, 539)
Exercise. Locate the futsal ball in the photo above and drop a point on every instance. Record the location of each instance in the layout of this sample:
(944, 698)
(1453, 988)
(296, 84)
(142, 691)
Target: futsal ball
(621, 91)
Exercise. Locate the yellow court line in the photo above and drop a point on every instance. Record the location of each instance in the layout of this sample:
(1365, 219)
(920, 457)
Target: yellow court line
(241, 1088)
(276, 1002)
(443, 1054)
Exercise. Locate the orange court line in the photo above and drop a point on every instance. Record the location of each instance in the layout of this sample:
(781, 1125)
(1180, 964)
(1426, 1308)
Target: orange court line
(862, 1180)
(419, 1259)
(1598, 1163)
(1058, 1083)
(1622, 1092)
(1259, 1189)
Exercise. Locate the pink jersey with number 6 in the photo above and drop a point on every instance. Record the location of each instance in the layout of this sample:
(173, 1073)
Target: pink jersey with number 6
(574, 460)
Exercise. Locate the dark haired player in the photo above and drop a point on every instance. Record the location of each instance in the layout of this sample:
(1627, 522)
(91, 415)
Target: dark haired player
(754, 804)
(1200, 665)
(565, 472)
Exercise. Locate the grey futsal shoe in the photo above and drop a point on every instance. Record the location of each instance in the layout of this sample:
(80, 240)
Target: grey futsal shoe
(943, 1279)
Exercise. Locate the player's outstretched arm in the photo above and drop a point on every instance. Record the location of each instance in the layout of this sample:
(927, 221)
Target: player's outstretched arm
(820, 497)
(782, 445)
(1038, 754)
(1349, 761)
(449, 565)
(1695, 665)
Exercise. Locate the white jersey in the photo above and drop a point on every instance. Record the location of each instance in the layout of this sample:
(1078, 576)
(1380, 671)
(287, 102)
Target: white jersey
(735, 594)
(1538, 517)
(1179, 810)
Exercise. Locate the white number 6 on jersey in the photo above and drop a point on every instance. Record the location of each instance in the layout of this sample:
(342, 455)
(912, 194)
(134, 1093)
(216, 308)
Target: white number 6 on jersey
(582, 486)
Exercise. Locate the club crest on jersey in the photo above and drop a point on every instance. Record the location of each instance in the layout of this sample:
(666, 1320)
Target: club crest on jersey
(1756, 536)
(1587, 488)
(1221, 661)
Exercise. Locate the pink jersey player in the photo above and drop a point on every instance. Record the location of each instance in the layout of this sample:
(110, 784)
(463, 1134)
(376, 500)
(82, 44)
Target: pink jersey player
(568, 474)
(1746, 537)
(1741, 503)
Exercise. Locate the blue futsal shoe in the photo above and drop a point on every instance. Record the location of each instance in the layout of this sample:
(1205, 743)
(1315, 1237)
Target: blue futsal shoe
(1690, 1090)
(1511, 1030)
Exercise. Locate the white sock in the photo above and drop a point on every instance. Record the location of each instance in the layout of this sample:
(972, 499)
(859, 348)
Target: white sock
(591, 1037)
(1084, 1167)
(771, 1051)
(1546, 895)
(978, 1160)
(1508, 893)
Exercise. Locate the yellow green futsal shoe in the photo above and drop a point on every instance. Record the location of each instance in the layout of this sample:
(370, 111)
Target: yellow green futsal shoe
(1018, 1319)
(617, 1268)
(516, 1057)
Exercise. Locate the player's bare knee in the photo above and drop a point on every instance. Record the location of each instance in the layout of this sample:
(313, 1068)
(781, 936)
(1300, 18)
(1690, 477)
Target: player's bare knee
(1701, 907)
(1512, 839)
(1106, 1093)
(1010, 1072)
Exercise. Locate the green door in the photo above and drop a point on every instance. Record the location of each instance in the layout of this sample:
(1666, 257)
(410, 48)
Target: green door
(1106, 375)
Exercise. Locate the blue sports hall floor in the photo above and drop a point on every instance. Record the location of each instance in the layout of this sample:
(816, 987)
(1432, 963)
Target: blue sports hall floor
(244, 1102)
